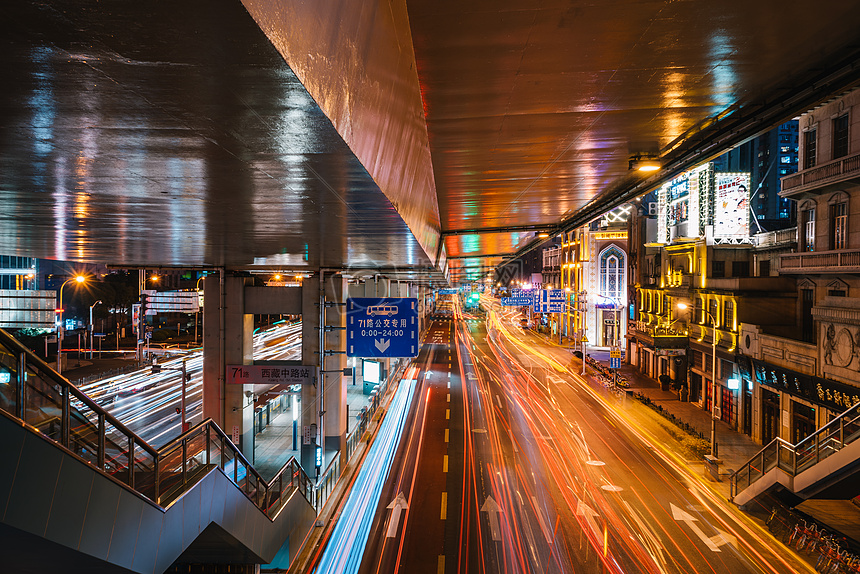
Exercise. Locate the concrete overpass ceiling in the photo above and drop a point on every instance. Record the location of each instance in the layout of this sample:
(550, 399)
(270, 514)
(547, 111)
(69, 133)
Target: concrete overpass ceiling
(174, 133)
(377, 135)
(535, 108)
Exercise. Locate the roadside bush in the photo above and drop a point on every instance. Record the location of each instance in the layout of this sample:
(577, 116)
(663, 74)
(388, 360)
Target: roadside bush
(698, 446)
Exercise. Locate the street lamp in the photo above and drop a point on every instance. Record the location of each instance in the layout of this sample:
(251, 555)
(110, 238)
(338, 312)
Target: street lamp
(60, 330)
(714, 446)
(197, 313)
(92, 329)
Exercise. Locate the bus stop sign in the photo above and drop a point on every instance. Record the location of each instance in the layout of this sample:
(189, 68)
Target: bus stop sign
(382, 327)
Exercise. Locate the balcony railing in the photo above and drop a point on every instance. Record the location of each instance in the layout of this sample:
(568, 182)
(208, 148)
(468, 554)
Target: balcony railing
(842, 261)
(39, 398)
(830, 172)
(774, 238)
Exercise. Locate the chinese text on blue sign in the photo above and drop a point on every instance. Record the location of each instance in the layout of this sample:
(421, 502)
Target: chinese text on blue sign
(381, 327)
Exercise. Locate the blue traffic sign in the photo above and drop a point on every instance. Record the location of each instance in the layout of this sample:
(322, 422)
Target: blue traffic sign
(381, 327)
(551, 301)
(615, 362)
(447, 291)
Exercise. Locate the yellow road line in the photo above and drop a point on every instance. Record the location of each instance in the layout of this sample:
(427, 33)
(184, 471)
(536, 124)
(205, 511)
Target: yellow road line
(447, 414)
(444, 505)
(440, 566)
(444, 463)
(446, 435)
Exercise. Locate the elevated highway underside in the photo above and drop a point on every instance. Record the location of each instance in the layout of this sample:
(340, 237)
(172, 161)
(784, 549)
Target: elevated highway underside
(387, 135)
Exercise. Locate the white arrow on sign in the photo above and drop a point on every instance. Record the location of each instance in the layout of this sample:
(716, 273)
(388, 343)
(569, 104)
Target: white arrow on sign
(381, 344)
(713, 542)
(397, 505)
(492, 509)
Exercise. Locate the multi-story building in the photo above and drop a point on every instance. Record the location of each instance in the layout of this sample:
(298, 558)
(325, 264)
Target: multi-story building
(766, 158)
(692, 287)
(593, 262)
(805, 376)
(18, 273)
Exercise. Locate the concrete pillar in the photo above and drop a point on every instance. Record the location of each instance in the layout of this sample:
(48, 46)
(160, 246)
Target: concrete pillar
(310, 356)
(231, 329)
(334, 398)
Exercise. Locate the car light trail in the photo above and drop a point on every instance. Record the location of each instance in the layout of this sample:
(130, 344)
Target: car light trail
(345, 547)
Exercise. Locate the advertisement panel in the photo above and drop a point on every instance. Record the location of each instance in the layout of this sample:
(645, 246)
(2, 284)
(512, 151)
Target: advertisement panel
(731, 209)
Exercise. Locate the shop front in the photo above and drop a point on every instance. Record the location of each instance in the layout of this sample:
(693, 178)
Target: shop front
(794, 405)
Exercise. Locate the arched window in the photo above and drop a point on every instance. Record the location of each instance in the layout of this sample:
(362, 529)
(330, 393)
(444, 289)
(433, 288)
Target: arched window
(612, 265)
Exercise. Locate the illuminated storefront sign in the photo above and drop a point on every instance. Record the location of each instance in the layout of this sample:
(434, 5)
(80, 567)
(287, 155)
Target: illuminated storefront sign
(831, 394)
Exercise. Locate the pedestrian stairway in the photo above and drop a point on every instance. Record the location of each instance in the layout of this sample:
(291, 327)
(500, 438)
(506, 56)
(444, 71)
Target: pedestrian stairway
(82, 493)
(824, 465)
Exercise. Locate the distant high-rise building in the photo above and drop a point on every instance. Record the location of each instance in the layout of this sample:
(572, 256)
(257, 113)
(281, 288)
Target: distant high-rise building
(766, 158)
(18, 272)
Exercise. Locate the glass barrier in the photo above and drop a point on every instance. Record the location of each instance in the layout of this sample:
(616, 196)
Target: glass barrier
(116, 454)
(144, 472)
(84, 433)
(43, 405)
(793, 459)
(55, 408)
(8, 381)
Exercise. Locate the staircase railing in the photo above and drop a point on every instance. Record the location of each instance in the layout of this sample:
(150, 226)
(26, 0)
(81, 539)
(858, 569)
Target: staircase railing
(794, 459)
(37, 396)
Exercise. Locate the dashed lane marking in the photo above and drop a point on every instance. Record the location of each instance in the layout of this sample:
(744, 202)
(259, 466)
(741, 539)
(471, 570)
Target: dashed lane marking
(444, 505)
(444, 463)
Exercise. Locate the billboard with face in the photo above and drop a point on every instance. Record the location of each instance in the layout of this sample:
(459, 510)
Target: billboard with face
(731, 209)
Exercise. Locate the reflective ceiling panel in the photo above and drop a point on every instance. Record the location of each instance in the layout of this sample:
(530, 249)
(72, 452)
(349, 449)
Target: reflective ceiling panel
(174, 133)
(534, 108)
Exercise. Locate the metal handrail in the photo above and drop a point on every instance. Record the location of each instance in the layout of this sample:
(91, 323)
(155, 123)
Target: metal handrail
(794, 459)
(158, 475)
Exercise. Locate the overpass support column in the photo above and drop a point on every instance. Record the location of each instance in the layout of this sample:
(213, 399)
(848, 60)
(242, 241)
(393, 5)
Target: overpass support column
(334, 398)
(227, 340)
(310, 356)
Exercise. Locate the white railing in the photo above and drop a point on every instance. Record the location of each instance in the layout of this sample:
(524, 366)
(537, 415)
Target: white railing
(778, 237)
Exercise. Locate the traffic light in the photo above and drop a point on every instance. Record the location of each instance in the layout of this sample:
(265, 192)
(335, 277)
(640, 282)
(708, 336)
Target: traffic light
(144, 303)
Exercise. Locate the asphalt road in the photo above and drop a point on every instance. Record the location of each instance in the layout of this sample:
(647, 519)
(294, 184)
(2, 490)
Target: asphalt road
(544, 470)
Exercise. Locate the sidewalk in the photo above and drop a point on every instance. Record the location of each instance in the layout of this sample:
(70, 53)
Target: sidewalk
(734, 449)
(273, 446)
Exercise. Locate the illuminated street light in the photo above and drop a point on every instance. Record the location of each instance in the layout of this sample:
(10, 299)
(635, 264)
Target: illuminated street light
(196, 313)
(714, 447)
(92, 330)
(61, 328)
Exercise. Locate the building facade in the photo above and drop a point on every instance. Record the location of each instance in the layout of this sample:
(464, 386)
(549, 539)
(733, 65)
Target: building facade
(693, 285)
(593, 271)
(804, 377)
